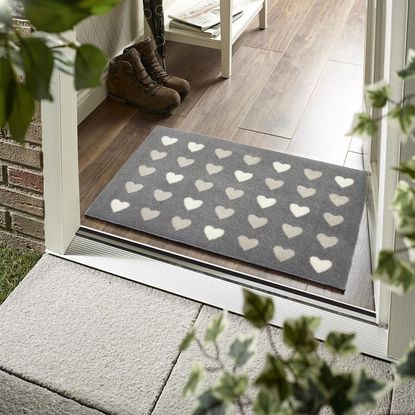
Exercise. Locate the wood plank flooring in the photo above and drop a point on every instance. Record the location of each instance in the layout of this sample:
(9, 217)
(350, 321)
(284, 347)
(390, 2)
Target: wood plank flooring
(294, 89)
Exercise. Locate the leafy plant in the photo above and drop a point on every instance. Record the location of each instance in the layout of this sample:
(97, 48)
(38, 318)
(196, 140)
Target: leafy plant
(27, 63)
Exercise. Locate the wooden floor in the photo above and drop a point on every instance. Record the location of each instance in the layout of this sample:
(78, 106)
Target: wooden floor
(294, 89)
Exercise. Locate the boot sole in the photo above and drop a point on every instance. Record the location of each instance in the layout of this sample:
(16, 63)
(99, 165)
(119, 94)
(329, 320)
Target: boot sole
(146, 110)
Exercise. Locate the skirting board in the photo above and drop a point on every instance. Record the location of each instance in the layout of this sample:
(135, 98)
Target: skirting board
(218, 292)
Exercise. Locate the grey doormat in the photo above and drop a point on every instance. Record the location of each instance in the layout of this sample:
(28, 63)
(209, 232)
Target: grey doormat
(283, 212)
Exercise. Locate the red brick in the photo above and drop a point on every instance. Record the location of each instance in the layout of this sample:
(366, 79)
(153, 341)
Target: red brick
(34, 132)
(21, 201)
(25, 178)
(27, 225)
(16, 153)
(21, 242)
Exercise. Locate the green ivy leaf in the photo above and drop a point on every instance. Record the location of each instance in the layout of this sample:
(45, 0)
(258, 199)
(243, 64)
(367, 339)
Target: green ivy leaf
(89, 65)
(258, 310)
(208, 404)
(196, 377)
(305, 365)
(363, 125)
(188, 340)
(230, 387)
(241, 351)
(341, 343)
(377, 94)
(409, 71)
(398, 274)
(367, 390)
(216, 328)
(268, 403)
(21, 113)
(299, 333)
(408, 167)
(274, 378)
(405, 368)
(38, 67)
(7, 87)
(405, 115)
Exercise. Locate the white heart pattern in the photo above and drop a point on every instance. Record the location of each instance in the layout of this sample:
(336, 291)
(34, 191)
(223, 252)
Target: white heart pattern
(157, 155)
(305, 192)
(213, 233)
(145, 171)
(132, 187)
(265, 202)
(161, 195)
(251, 160)
(299, 211)
(213, 169)
(202, 186)
(193, 147)
(233, 193)
(257, 222)
(117, 205)
(173, 177)
(291, 231)
(312, 174)
(191, 204)
(338, 200)
(148, 214)
(168, 141)
(333, 220)
(273, 184)
(222, 154)
(243, 176)
(246, 243)
(223, 213)
(179, 223)
(343, 182)
(184, 162)
(281, 167)
(320, 265)
(327, 241)
(283, 254)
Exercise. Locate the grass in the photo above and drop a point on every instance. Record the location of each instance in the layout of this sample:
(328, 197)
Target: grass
(14, 265)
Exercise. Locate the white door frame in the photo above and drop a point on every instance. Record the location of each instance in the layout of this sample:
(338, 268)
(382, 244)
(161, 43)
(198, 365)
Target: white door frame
(62, 220)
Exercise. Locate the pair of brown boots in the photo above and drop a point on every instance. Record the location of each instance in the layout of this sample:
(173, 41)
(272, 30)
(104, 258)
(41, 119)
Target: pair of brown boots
(137, 78)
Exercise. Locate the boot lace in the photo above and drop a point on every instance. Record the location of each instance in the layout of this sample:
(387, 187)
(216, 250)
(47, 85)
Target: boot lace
(155, 69)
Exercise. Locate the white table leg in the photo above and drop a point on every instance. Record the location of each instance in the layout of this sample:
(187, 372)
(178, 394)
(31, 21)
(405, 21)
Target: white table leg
(263, 16)
(226, 37)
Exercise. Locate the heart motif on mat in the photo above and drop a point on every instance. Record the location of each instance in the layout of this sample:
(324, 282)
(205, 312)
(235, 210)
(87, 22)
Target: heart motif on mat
(265, 202)
(148, 214)
(161, 195)
(145, 171)
(299, 211)
(312, 174)
(213, 233)
(193, 147)
(222, 154)
(202, 186)
(179, 223)
(191, 204)
(333, 220)
(168, 141)
(242, 176)
(257, 222)
(283, 254)
(184, 162)
(291, 231)
(273, 184)
(132, 187)
(246, 244)
(173, 177)
(343, 182)
(213, 169)
(327, 241)
(281, 167)
(118, 206)
(338, 200)
(233, 193)
(251, 160)
(223, 213)
(157, 155)
(305, 192)
(320, 265)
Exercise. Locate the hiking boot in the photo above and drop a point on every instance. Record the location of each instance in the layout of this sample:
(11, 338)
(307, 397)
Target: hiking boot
(129, 83)
(155, 70)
